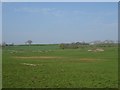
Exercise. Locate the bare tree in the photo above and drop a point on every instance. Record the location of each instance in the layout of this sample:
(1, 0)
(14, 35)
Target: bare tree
(29, 42)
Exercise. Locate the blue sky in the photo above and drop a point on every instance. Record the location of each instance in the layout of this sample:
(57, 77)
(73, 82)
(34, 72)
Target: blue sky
(0, 22)
(59, 22)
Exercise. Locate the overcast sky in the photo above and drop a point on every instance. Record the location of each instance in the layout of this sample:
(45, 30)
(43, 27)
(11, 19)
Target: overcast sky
(59, 22)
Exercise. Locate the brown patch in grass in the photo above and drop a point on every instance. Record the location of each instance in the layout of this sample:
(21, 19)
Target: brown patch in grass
(57, 57)
(38, 57)
(88, 59)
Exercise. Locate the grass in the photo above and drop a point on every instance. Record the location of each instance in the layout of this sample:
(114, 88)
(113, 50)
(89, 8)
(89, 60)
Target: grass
(0, 67)
(74, 68)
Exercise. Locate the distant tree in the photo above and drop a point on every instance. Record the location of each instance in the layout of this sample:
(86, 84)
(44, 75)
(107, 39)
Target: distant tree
(78, 43)
(29, 42)
(62, 46)
(3, 44)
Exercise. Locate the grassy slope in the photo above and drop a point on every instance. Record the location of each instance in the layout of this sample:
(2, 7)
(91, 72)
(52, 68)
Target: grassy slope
(68, 71)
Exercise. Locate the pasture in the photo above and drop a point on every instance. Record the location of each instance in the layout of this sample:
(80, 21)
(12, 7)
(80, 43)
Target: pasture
(48, 66)
(0, 67)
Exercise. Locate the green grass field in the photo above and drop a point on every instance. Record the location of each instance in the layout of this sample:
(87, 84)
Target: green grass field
(0, 67)
(51, 67)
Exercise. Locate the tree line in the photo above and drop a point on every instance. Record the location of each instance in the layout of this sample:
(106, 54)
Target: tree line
(75, 45)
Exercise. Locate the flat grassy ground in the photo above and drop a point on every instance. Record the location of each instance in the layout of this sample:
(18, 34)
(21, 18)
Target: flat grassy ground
(51, 67)
(0, 67)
